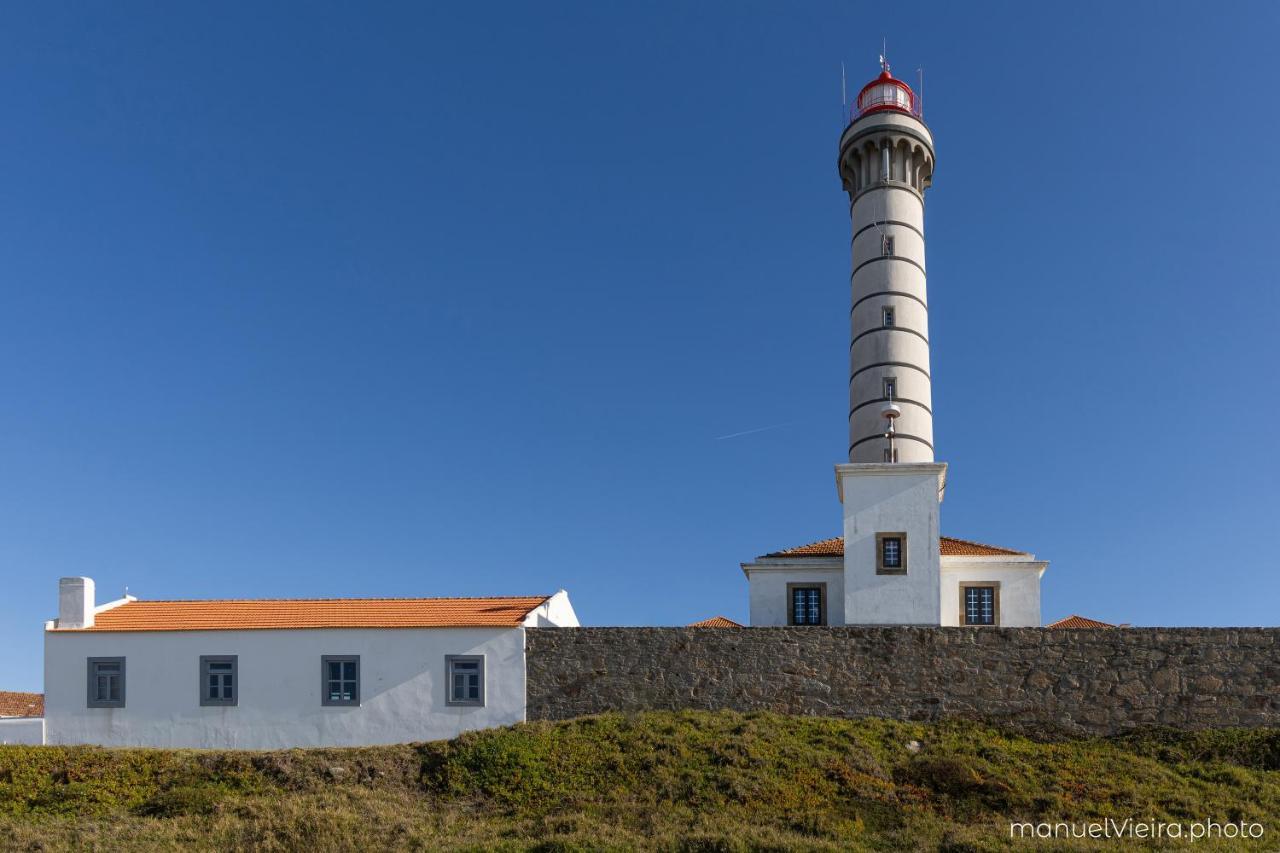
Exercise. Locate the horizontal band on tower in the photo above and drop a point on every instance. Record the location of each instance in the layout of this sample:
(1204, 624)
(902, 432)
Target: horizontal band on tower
(896, 437)
(858, 337)
(886, 258)
(887, 400)
(853, 375)
(888, 222)
(887, 184)
(888, 293)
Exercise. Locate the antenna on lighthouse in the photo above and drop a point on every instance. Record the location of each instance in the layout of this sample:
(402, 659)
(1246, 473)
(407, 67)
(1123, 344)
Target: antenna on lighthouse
(891, 412)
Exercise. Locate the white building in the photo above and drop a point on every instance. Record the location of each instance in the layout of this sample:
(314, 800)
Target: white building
(809, 582)
(21, 718)
(265, 674)
(891, 566)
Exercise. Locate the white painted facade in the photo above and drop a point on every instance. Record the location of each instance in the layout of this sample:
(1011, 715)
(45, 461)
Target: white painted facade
(1017, 577)
(402, 687)
(1017, 580)
(555, 612)
(28, 731)
(768, 581)
(279, 682)
(901, 499)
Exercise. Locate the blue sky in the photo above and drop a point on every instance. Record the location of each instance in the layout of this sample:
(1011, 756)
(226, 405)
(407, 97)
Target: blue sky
(450, 299)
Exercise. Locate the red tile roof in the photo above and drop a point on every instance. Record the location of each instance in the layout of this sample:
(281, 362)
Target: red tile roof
(225, 615)
(717, 622)
(822, 548)
(1074, 621)
(947, 545)
(952, 547)
(21, 704)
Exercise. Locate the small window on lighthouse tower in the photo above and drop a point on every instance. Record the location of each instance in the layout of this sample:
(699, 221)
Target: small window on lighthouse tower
(890, 387)
(886, 316)
(886, 245)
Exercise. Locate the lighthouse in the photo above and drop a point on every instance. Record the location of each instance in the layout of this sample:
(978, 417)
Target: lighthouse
(891, 488)
(891, 565)
(886, 164)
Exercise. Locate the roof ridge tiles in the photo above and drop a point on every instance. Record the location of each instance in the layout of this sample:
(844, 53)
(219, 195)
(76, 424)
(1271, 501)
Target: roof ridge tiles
(834, 546)
(340, 598)
(266, 613)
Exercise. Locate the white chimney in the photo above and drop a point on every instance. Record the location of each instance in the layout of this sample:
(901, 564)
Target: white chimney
(75, 603)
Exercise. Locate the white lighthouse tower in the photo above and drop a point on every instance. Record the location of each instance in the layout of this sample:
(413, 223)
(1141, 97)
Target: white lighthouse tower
(886, 164)
(891, 489)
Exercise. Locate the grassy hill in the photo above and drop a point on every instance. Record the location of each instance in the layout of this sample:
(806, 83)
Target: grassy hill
(681, 781)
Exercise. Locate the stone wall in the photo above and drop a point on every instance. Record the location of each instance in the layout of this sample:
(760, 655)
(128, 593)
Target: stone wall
(1094, 681)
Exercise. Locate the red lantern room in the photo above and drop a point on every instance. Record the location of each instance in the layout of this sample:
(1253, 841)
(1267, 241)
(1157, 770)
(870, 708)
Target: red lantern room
(884, 93)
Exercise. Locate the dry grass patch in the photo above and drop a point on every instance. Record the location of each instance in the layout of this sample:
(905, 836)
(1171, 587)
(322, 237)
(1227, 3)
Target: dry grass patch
(670, 781)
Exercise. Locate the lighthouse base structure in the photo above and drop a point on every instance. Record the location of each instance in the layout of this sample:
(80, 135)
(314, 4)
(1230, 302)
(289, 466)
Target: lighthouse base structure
(900, 502)
(892, 566)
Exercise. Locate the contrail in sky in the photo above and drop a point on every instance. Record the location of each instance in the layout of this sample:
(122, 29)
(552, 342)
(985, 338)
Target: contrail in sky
(751, 431)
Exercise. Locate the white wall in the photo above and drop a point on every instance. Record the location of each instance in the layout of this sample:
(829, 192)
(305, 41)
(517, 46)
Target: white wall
(402, 687)
(880, 498)
(767, 588)
(892, 350)
(22, 730)
(1019, 582)
(555, 612)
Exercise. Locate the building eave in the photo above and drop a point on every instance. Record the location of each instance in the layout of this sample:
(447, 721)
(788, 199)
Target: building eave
(790, 564)
(890, 469)
(958, 564)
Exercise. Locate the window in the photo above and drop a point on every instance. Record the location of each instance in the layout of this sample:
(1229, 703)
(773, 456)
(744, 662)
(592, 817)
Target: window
(341, 680)
(106, 683)
(890, 387)
(218, 680)
(980, 603)
(886, 316)
(465, 679)
(891, 553)
(891, 455)
(886, 245)
(806, 604)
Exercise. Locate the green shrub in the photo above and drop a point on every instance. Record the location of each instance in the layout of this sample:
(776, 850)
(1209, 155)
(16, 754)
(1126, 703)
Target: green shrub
(675, 781)
(182, 800)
